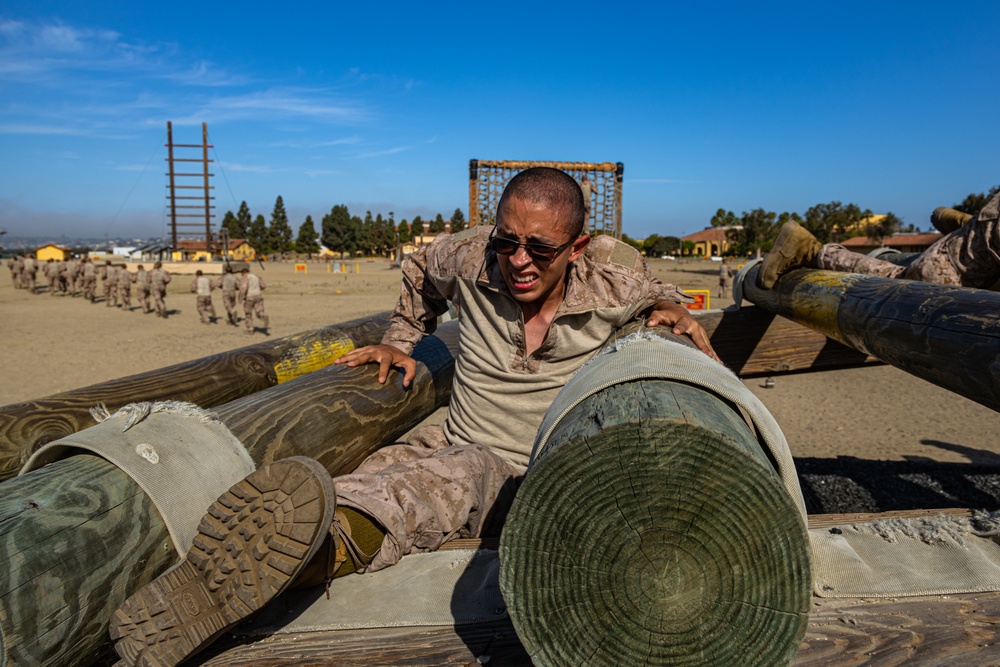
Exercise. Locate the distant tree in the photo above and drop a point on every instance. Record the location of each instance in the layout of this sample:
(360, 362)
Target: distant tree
(367, 239)
(417, 226)
(307, 240)
(831, 222)
(757, 234)
(688, 247)
(882, 228)
(723, 218)
(231, 226)
(403, 232)
(258, 237)
(457, 220)
(336, 227)
(656, 245)
(437, 226)
(280, 233)
(974, 203)
(243, 222)
(356, 241)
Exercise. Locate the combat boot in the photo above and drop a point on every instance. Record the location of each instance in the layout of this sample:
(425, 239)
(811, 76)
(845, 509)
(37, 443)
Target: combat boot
(795, 248)
(946, 220)
(252, 544)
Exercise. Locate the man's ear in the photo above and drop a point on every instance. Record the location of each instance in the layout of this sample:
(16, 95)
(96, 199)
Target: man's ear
(579, 246)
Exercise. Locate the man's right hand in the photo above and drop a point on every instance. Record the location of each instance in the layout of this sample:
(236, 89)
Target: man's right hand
(385, 356)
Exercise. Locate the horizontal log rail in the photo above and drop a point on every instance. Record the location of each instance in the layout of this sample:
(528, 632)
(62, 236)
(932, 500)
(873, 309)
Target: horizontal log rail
(949, 336)
(207, 382)
(77, 537)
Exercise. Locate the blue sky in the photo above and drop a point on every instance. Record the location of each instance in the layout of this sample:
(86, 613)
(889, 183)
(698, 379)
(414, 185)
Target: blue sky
(732, 105)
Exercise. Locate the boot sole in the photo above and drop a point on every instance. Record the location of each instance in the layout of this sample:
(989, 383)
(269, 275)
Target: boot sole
(250, 546)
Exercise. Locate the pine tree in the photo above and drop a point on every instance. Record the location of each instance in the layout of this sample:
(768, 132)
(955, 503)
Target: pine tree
(403, 232)
(457, 221)
(307, 238)
(243, 222)
(231, 226)
(438, 225)
(258, 237)
(336, 227)
(280, 233)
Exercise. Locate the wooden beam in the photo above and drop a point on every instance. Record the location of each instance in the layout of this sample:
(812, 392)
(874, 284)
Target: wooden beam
(207, 382)
(753, 342)
(79, 536)
(949, 336)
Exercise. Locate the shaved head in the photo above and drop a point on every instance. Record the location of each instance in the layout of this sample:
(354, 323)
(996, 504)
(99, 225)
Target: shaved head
(552, 187)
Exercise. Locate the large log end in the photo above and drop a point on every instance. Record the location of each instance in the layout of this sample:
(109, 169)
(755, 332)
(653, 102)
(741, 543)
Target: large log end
(654, 544)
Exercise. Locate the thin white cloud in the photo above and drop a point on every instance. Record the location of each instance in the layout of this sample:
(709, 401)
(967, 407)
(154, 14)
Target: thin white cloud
(396, 149)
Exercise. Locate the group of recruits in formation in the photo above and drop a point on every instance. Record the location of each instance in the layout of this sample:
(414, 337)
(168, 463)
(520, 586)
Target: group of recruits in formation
(539, 297)
(79, 278)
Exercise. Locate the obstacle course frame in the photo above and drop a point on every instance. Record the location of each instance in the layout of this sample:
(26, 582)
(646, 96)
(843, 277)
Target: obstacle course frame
(488, 178)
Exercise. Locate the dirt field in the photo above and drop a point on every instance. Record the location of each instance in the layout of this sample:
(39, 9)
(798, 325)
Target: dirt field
(52, 344)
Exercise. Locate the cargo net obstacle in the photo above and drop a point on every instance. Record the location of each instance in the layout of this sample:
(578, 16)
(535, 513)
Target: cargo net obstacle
(488, 178)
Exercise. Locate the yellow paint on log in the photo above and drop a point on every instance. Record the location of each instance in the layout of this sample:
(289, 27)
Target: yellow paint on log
(311, 357)
(817, 299)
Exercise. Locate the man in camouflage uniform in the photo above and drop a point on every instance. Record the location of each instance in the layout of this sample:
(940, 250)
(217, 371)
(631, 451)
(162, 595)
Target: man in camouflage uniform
(229, 284)
(71, 277)
(125, 280)
(966, 257)
(535, 307)
(202, 286)
(142, 288)
(251, 294)
(51, 271)
(110, 284)
(88, 282)
(17, 271)
(159, 278)
(28, 275)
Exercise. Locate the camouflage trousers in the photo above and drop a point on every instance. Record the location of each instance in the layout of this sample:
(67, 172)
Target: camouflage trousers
(427, 491)
(159, 294)
(125, 297)
(252, 307)
(967, 257)
(229, 302)
(142, 293)
(206, 311)
(110, 294)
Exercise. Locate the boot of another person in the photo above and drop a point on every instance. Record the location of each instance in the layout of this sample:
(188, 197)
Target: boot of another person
(795, 248)
(946, 220)
(252, 544)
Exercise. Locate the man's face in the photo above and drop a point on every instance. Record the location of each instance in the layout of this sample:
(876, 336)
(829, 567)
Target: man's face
(532, 281)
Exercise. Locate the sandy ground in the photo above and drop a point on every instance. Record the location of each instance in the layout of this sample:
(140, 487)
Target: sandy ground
(51, 344)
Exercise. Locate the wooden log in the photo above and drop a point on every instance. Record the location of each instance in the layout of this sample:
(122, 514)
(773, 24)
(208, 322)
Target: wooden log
(752, 342)
(949, 336)
(79, 536)
(208, 382)
(925, 631)
(653, 530)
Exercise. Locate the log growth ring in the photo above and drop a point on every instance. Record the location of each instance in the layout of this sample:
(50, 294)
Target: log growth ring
(664, 544)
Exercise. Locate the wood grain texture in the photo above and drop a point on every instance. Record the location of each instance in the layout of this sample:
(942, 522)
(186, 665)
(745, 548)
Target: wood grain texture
(652, 530)
(210, 381)
(82, 564)
(949, 336)
(936, 631)
(753, 342)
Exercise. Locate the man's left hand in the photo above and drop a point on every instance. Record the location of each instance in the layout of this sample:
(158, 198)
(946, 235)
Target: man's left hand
(677, 316)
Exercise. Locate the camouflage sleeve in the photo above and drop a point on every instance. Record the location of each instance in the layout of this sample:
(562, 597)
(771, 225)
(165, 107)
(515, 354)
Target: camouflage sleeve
(421, 298)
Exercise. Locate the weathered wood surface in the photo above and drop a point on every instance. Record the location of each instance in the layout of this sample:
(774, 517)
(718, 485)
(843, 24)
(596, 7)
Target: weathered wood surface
(652, 529)
(960, 630)
(69, 555)
(949, 336)
(210, 381)
(752, 342)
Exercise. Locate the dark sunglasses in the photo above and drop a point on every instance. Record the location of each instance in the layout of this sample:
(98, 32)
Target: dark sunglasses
(539, 251)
